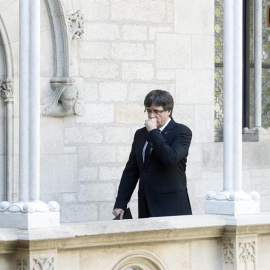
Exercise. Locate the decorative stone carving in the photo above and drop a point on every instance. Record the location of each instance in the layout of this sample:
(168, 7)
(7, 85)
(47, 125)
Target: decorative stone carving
(228, 251)
(29, 207)
(7, 89)
(36, 261)
(247, 252)
(76, 25)
(63, 101)
(43, 264)
(22, 264)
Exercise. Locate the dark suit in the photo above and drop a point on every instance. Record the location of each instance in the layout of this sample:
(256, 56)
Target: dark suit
(162, 186)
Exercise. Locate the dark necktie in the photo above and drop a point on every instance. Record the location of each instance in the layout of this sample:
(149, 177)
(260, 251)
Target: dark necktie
(147, 153)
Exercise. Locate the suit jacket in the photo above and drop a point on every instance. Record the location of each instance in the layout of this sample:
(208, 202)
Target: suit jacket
(163, 179)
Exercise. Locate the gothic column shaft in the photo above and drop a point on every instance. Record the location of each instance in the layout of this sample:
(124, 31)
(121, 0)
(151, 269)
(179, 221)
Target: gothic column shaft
(24, 99)
(34, 100)
(258, 61)
(237, 94)
(228, 96)
(9, 150)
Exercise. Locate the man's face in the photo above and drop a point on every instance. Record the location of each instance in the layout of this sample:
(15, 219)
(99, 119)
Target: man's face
(159, 113)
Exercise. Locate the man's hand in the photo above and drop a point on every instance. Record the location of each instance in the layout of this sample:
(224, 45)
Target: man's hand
(118, 211)
(151, 124)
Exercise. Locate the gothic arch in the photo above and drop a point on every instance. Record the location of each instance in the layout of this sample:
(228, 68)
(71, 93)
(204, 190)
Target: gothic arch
(140, 260)
(9, 70)
(6, 90)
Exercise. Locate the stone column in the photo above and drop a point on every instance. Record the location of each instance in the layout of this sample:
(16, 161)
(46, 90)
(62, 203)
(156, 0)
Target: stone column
(232, 200)
(29, 212)
(228, 96)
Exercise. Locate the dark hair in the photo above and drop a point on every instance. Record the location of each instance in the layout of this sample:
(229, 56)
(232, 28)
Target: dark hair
(159, 98)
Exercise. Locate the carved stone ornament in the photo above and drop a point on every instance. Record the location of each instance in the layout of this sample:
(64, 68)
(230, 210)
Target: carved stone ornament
(63, 101)
(76, 25)
(228, 251)
(43, 264)
(247, 252)
(7, 89)
(35, 262)
(29, 207)
(22, 264)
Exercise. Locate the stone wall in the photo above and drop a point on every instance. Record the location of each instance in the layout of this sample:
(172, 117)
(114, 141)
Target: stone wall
(129, 48)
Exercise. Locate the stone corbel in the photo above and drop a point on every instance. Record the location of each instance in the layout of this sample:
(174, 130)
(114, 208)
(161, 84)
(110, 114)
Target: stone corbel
(7, 90)
(64, 100)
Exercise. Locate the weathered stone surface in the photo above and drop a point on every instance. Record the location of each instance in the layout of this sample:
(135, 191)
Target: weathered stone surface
(113, 134)
(102, 154)
(137, 71)
(132, 51)
(134, 32)
(153, 30)
(205, 132)
(138, 10)
(123, 153)
(58, 173)
(129, 113)
(184, 114)
(96, 192)
(190, 17)
(97, 113)
(194, 87)
(95, 50)
(88, 174)
(138, 91)
(99, 70)
(105, 211)
(113, 91)
(82, 135)
(101, 31)
(110, 173)
(52, 137)
(78, 213)
(165, 74)
(90, 91)
(64, 257)
(96, 10)
(203, 52)
(177, 53)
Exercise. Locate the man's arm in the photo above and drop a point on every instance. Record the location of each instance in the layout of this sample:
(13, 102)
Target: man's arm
(171, 154)
(128, 181)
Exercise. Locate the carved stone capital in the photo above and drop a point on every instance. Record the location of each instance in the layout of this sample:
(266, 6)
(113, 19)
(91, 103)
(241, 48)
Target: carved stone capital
(76, 25)
(7, 90)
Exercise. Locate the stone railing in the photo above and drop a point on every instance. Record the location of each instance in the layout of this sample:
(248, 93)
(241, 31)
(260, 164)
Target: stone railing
(167, 243)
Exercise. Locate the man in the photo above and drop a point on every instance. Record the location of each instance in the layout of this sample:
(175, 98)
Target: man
(158, 158)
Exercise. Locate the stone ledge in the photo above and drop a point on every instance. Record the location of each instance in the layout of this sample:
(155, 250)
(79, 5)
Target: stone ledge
(186, 226)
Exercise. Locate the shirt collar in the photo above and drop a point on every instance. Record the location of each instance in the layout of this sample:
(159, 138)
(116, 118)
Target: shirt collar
(161, 128)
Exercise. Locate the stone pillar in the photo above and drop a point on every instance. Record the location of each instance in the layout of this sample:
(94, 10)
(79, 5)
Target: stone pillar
(228, 96)
(232, 200)
(29, 212)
